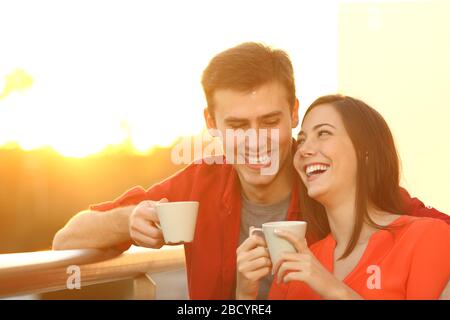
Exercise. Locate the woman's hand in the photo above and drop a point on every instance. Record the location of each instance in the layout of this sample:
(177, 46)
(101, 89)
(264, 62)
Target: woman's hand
(303, 266)
(253, 264)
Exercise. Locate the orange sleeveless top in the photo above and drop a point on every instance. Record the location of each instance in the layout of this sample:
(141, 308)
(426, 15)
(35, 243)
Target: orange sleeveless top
(411, 260)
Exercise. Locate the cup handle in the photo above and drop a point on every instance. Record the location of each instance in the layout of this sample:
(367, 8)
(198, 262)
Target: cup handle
(255, 230)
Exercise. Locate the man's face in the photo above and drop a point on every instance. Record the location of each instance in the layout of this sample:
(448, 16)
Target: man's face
(265, 108)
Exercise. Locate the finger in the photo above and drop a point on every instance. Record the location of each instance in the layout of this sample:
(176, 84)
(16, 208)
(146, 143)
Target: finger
(290, 256)
(294, 276)
(257, 253)
(147, 229)
(279, 263)
(250, 266)
(302, 246)
(258, 274)
(277, 266)
(163, 200)
(299, 244)
(287, 267)
(148, 212)
(251, 243)
(294, 256)
(145, 241)
(253, 254)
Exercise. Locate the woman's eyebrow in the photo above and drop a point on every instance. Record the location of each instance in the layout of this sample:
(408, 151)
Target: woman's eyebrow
(317, 126)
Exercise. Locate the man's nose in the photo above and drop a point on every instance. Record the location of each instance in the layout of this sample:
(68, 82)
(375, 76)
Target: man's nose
(261, 138)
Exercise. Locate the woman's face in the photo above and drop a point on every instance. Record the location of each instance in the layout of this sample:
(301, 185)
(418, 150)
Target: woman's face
(325, 156)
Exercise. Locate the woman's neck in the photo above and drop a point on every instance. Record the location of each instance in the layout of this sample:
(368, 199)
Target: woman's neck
(341, 218)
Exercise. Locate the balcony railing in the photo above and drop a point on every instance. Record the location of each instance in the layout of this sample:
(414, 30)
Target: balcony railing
(49, 271)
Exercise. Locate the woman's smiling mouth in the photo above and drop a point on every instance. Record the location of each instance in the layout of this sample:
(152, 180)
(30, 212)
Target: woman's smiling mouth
(314, 170)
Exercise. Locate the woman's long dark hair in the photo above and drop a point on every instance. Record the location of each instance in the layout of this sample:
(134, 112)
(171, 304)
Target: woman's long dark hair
(378, 172)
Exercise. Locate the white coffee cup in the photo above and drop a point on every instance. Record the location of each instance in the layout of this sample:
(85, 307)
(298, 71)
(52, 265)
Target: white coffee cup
(177, 220)
(276, 244)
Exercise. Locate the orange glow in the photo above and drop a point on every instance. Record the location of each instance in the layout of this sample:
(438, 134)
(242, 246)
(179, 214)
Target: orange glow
(138, 82)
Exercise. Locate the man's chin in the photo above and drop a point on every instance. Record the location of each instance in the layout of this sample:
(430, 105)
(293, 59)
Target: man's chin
(254, 177)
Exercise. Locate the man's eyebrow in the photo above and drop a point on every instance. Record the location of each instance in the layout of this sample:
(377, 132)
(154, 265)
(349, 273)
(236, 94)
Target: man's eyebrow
(317, 126)
(265, 116)
(234, 119)
(270, 115)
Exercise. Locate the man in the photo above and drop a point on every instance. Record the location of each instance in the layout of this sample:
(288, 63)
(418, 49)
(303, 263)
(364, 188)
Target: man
(250, 86)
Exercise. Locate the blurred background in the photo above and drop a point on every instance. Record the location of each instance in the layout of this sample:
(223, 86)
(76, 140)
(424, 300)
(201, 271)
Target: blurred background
(93, 94)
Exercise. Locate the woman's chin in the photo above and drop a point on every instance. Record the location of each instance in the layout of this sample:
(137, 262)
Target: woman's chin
(316, 193)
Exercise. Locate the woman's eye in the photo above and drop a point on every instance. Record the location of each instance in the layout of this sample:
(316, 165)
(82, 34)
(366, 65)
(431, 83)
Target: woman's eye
(300, 141)
(324, 133)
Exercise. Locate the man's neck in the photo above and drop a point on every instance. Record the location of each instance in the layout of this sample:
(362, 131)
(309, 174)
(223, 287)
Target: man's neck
(278, 190)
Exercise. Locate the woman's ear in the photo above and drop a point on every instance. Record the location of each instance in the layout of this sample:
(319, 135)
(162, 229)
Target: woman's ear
(294, 114)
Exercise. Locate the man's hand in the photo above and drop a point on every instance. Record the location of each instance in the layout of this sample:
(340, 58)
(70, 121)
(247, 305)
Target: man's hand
(142, 225)
(253, 264)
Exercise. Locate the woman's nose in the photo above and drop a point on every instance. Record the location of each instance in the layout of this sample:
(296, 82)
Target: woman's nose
(306, 150)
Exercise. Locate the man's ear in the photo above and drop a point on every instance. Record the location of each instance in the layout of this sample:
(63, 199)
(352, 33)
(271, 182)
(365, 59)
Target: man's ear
(294, 114)
(210, 121)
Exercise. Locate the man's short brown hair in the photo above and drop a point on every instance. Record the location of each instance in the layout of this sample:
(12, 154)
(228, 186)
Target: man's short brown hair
(247, 67)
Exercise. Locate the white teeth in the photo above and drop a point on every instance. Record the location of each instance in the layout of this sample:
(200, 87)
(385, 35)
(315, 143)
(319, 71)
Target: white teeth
(314, 167)
(262, 159)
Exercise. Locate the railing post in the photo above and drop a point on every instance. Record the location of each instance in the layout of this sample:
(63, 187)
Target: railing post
(144, 288)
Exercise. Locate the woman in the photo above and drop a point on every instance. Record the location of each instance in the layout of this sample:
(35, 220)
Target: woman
(349, 167)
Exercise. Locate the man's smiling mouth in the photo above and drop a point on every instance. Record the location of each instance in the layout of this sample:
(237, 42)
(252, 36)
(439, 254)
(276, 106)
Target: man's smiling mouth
(261, 159)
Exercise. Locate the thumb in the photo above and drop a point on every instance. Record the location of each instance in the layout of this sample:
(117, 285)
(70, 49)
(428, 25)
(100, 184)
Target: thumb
(163, 200)
(302, 246)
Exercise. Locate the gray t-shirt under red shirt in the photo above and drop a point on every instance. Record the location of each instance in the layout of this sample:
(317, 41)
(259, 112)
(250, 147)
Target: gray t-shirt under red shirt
(254, 214)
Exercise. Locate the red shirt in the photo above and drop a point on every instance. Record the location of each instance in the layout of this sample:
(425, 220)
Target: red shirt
(412, 261)
(211, 257)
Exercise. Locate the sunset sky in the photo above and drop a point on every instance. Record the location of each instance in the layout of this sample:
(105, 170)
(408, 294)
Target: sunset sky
(79, 76)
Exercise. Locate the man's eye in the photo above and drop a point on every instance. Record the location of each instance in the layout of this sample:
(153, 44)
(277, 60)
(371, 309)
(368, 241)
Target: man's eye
(237, 126)
(272, 123)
